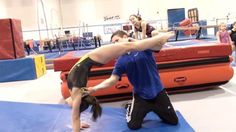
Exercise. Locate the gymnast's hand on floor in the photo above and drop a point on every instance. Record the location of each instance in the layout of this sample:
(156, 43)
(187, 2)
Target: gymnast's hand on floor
(84, 125)
(68, 101)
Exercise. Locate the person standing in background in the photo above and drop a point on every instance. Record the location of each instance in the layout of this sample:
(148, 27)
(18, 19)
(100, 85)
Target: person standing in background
(223, 35)
(232, 33)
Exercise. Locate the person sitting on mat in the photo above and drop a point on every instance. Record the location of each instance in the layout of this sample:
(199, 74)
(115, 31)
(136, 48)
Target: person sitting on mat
(148, 92)
(78, 75)
(142, 26)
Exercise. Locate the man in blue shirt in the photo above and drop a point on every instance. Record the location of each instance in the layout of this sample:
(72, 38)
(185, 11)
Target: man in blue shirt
(148, 92)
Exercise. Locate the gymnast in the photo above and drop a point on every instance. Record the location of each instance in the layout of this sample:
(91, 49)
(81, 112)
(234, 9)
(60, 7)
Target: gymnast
(142, 26)
(77, 78)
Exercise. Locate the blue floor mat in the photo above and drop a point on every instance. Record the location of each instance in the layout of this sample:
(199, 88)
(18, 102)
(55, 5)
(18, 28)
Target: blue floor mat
(188, 43)
(53, 55)
(28, 117)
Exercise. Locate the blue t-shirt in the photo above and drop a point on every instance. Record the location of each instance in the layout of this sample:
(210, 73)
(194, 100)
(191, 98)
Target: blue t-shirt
(141, 70)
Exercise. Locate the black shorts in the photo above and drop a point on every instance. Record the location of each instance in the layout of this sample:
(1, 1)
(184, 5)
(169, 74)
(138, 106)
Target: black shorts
(78, 75)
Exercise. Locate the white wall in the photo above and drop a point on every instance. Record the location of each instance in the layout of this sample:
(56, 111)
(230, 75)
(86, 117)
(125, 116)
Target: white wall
(53, 17)
(21, 9)
(74, 13)
(89, 11)
(3, 13)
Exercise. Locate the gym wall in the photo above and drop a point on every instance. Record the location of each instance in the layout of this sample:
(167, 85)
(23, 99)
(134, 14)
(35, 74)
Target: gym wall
(68, 13)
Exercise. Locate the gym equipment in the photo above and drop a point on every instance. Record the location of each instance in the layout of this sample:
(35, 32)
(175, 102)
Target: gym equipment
(127, 27)
(197, 29)
(11, 40)
(175, 16)
(29, 117)
(182, 67)
(193, 15)
(22, 69)
(188, 23)
(40, 65)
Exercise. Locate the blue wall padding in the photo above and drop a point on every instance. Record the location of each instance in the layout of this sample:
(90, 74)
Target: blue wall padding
(28, 117)
(17, 69)
(203, 23)
(175, 16)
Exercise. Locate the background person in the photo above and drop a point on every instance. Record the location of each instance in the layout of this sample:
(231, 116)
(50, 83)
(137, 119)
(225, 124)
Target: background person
(142, 26)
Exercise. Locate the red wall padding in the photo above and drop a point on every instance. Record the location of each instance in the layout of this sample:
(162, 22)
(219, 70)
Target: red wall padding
(11, 40)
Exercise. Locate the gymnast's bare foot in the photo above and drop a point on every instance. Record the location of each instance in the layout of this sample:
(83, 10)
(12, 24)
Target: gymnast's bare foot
(166, 36)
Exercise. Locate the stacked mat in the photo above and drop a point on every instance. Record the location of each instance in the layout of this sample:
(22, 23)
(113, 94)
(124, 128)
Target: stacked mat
(11, 40)
(183, 66)
(27, 68)
(13, 64)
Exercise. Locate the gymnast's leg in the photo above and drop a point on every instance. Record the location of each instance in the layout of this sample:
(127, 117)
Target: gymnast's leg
(108, 52)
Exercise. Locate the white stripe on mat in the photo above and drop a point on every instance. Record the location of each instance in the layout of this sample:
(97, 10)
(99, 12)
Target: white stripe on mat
(230, 91)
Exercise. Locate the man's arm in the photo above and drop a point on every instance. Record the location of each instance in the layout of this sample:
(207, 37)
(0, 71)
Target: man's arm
(105, 84)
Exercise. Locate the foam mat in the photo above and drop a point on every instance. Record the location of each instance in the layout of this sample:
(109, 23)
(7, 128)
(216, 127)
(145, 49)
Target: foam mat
(29, 117)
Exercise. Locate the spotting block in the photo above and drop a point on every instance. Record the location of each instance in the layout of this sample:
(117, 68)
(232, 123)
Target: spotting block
(22, 69)
(40, 65)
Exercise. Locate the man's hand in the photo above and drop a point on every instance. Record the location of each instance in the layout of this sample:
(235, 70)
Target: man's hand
(90, 90)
